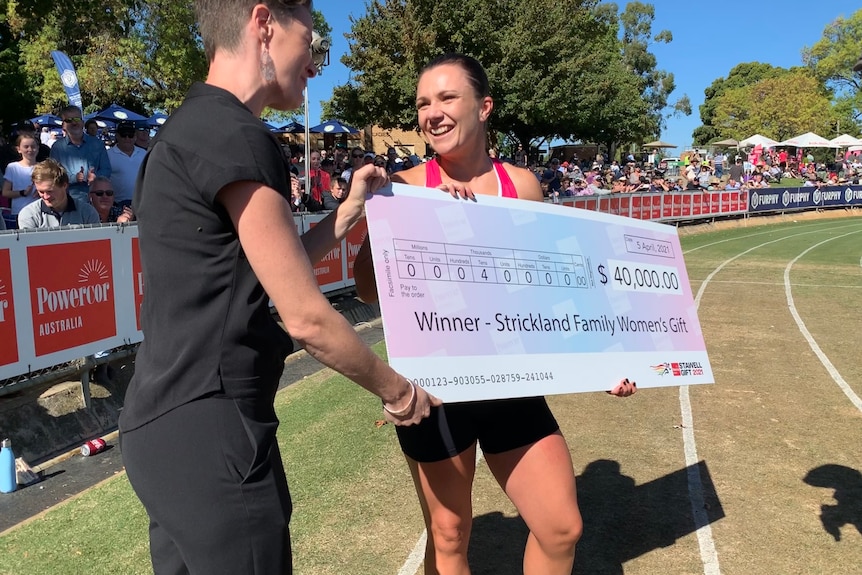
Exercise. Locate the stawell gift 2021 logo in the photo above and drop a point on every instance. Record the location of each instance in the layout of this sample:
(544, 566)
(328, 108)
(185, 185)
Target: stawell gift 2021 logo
(72, 296)
(678, 369)
(8, 334)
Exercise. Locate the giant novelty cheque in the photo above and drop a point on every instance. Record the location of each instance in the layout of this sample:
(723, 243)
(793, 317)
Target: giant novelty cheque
(498, 298)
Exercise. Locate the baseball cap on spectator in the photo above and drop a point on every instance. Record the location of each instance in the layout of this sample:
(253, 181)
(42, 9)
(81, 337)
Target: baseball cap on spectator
(548, 174)
(371, 155)
(622, 178)
(126, 129)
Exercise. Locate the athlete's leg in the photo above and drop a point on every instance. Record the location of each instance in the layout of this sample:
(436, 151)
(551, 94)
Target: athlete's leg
(540, 481)
(444, 489)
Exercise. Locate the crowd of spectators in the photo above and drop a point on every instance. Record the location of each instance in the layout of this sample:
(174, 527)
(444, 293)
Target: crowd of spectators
(329, 173)
(97, 170)
(569, 177)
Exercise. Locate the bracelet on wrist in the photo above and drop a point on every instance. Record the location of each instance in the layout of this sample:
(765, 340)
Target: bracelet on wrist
(404, 410)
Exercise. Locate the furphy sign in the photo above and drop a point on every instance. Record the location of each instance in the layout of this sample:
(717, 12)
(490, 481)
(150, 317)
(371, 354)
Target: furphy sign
(72, 294)
(8, 333)
(778, 199)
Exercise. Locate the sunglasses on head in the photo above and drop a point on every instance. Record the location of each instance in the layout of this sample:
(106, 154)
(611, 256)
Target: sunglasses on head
(73, 120)
(101, 193)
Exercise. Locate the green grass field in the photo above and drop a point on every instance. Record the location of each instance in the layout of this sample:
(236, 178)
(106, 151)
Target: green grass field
(776, 443)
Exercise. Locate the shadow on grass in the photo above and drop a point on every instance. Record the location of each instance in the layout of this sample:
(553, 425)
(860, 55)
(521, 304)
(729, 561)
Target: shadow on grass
(847, 483)
(621, 521)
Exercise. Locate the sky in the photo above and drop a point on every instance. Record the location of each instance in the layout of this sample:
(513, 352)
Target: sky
(708, 41)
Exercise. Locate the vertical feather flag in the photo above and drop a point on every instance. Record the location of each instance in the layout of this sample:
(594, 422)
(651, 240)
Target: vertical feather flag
(68, 77)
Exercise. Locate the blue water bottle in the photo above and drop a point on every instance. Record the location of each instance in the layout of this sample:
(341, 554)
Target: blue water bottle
(8, 480)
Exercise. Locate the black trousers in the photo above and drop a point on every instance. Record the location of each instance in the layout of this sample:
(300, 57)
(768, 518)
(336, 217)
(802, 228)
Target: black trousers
(211, 478)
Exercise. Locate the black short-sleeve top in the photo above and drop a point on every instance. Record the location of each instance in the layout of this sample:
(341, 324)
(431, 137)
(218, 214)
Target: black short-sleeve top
(205, 316)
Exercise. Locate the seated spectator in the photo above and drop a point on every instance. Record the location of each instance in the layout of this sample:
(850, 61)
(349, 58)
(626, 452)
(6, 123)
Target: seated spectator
(658, 183)
(620, 184)
(757, 181)
(703, 177)
(56, 207)
(335, 194)
(567, 187)
(551, 177)
(396, 164)
(328, 166)
(580, 188)
(103, 198)
(299, 200)
(18, 181)
(598, 187)
(811, 179)
(732, 185)
(91, 127)
(126, 159)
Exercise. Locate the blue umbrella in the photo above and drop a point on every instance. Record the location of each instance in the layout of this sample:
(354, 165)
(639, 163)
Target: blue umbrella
(292, 128)
(47, 120)
(115, 113)
(157, 120)
(333, 127)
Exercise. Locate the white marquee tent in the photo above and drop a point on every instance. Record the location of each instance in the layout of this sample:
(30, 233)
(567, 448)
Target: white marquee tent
(756, 140)
(845, 141)
(808, 140)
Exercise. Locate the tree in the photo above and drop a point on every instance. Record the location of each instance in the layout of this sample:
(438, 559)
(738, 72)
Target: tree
(832, 58)
(17, 100)
(140, 54)
(655, 85)
(564, 80)
(740, 76)
(780, 108)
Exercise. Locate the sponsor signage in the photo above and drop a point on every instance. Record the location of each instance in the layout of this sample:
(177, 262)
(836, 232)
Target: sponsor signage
(8, 332)
(137, 280)
(809, 197)
(71, 294)
(354, 240)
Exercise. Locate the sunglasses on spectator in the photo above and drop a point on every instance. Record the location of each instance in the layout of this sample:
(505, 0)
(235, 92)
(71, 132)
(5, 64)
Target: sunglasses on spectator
(101, 193)
(357, 155)
(125, 134)
(73, 120)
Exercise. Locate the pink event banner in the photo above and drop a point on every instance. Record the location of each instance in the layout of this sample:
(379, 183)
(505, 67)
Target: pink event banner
(498, 298)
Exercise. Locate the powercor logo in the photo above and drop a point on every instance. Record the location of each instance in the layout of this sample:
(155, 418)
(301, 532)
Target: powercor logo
(678, 369)
(79, 296)
(72, 294)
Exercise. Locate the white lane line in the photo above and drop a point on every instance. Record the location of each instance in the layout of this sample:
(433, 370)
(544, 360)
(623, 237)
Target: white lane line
(782, 284)
(417, 555)
(705, 541)
(836, 377)
(763, 233)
